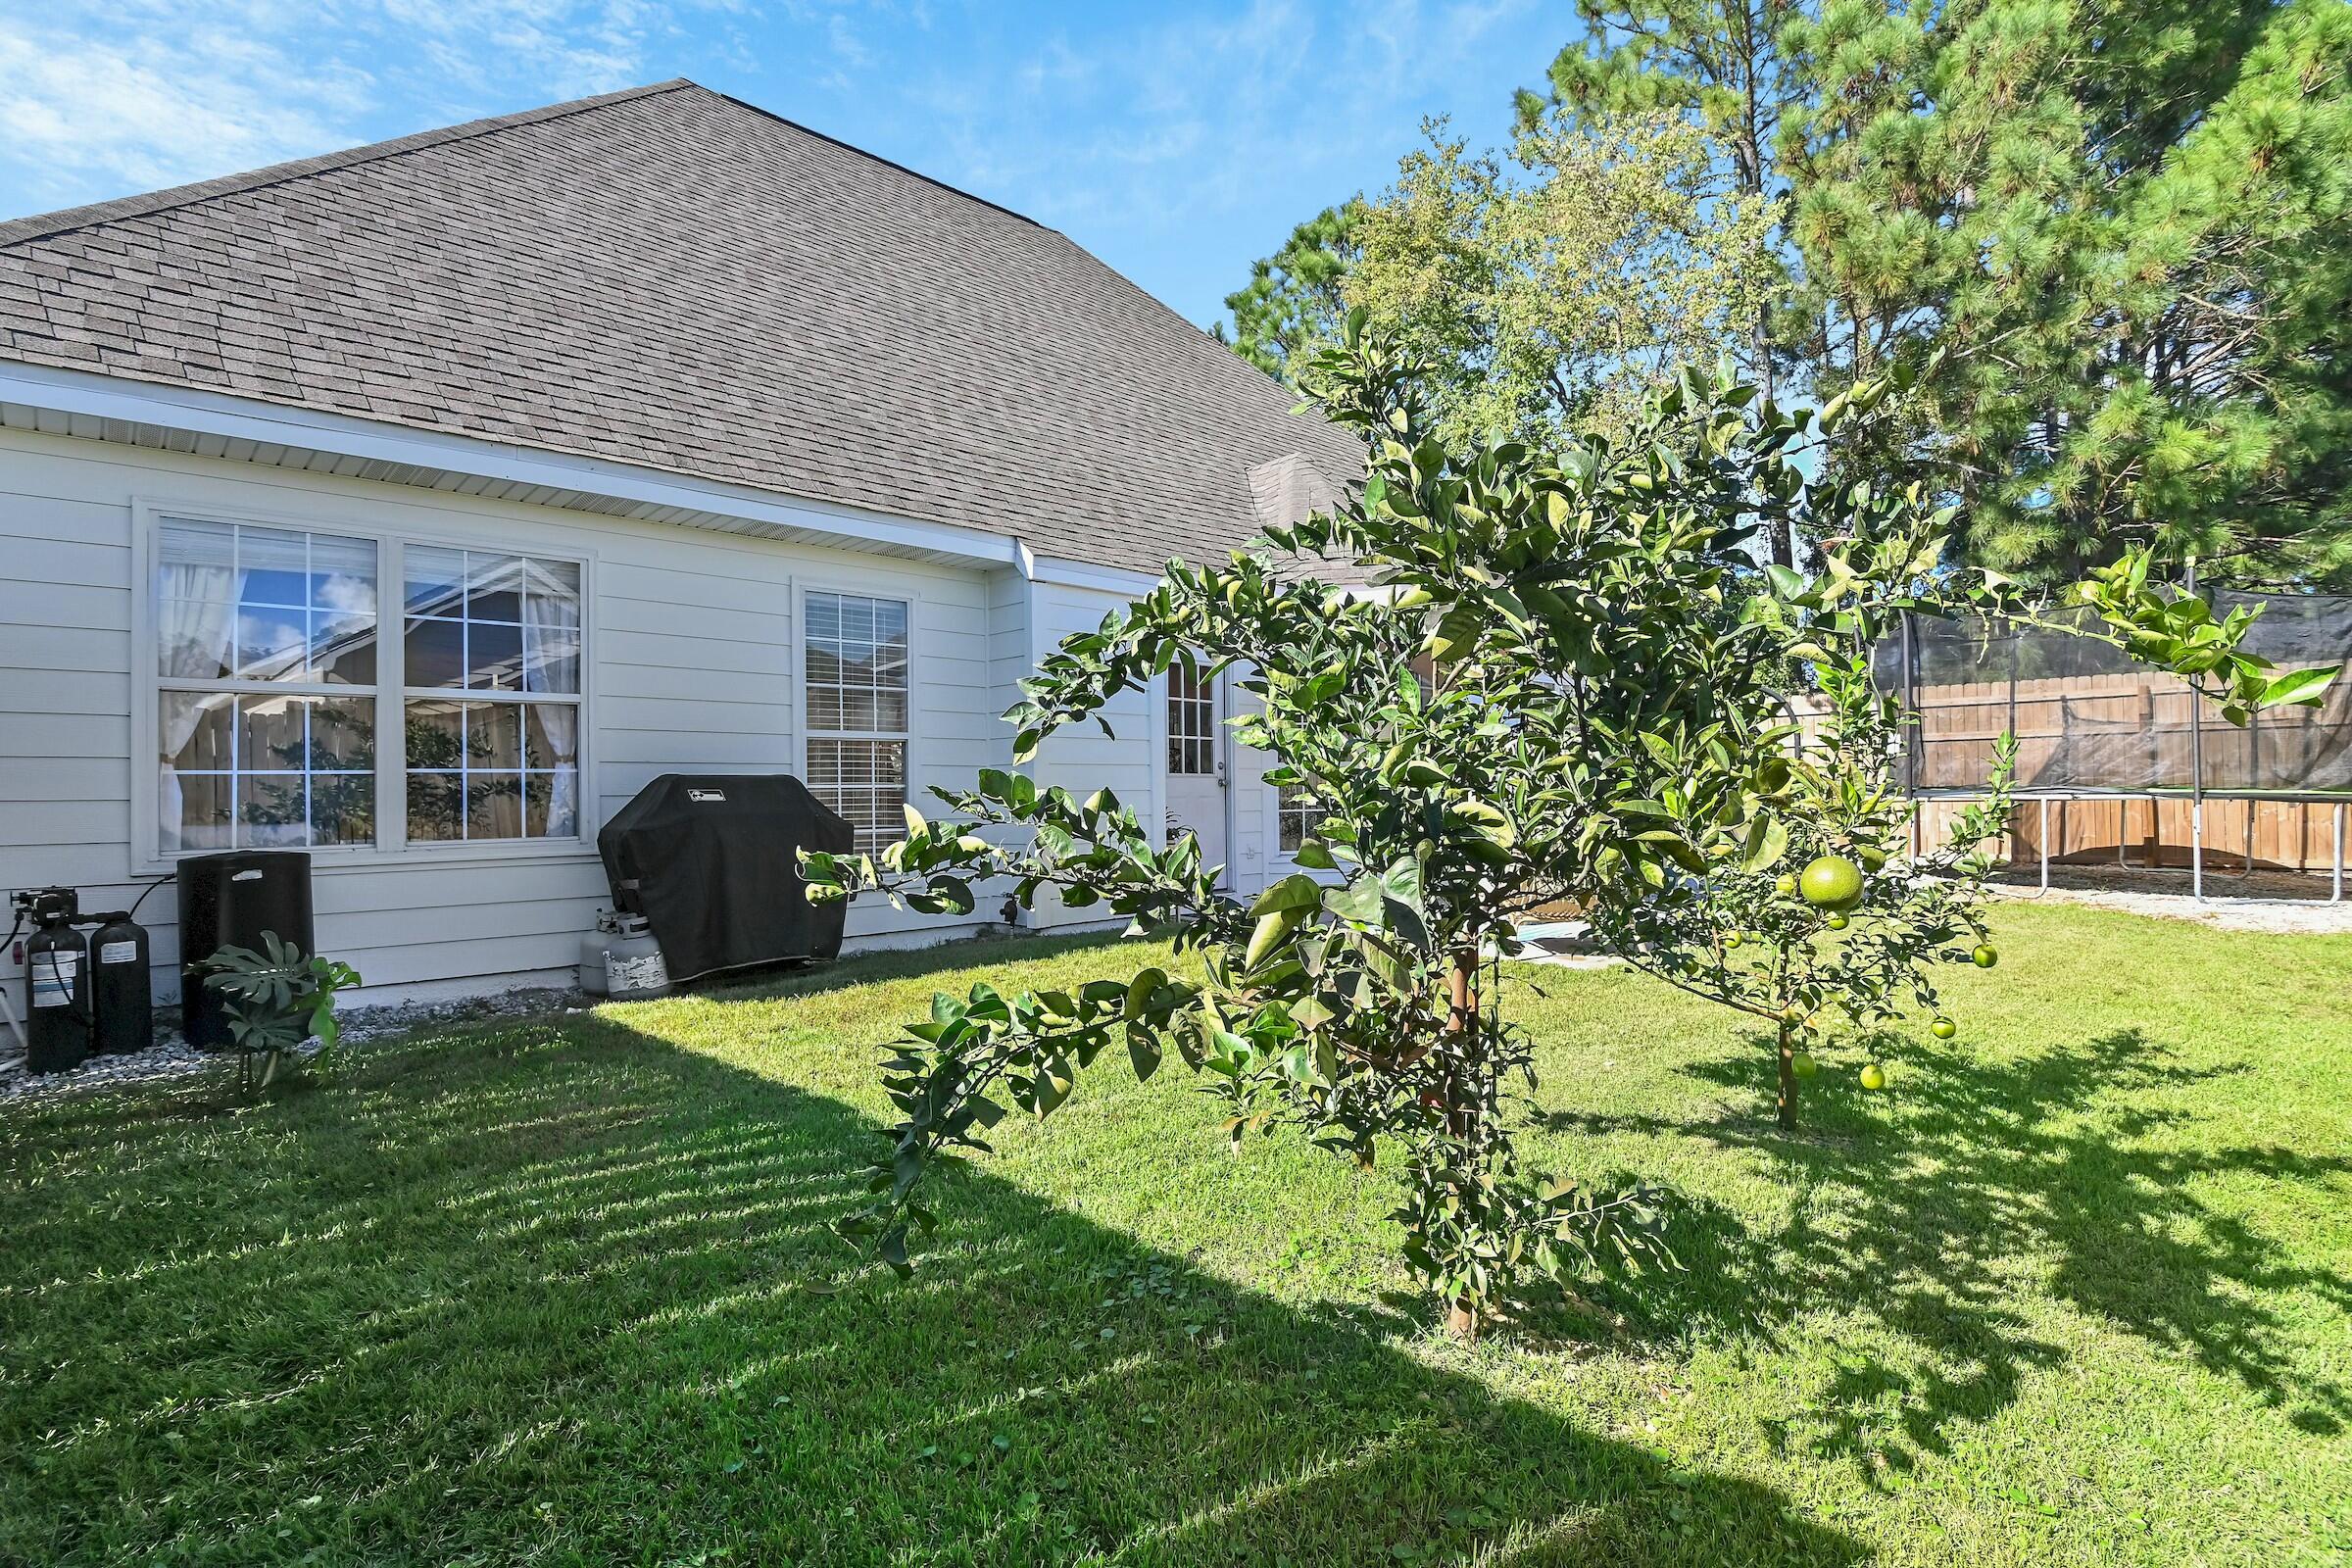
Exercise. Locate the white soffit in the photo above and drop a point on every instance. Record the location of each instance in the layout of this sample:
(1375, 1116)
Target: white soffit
(208, 425)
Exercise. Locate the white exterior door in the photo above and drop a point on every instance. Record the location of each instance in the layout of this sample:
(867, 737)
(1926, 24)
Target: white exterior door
(1196, 762)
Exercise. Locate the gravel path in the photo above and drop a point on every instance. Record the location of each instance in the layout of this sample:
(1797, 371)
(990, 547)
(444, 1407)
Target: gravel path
(2268, 901)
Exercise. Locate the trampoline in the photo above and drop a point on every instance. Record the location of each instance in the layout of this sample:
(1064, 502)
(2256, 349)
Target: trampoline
(2092, 724)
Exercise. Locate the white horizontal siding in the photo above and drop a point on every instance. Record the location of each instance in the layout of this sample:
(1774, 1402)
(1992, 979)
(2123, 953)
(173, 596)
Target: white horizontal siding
(1081, 758)
(65, 821)
(683, 650)
(49, 778)
(73, 563)
(35, 646)
(691, 643)
(66, 734)
(64, 691)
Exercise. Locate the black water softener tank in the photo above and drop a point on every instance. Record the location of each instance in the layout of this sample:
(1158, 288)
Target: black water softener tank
(227, 900)
(57, 1026)
(122, 988)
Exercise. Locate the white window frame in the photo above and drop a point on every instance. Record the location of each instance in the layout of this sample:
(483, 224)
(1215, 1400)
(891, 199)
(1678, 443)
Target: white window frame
(1281, 810)
(902, 593)
(1203, 701)
(391, 693)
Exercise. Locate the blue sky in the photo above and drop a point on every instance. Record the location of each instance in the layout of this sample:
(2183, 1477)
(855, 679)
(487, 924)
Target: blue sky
(1177, 142)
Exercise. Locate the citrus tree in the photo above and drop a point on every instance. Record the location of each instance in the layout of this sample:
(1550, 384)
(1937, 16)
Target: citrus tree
(1808, 907)
(1604, 724)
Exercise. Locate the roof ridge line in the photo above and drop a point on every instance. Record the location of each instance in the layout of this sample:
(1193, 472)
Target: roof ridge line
(876, 158)
(65, 220)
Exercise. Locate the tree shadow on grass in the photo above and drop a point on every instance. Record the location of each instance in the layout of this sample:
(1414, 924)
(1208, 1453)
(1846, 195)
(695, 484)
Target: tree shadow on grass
(561, 1294)
(1995, 1180)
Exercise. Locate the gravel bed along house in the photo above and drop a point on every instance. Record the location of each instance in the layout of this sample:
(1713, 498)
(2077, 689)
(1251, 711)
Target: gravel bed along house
(172, 1056)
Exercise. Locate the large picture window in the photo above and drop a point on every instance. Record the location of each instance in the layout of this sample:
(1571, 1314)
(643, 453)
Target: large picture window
(266, 649)
(277, 669)
(491, 700)
(855, 657)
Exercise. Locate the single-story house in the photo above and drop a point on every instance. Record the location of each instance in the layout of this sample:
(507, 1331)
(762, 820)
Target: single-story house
(416, 505)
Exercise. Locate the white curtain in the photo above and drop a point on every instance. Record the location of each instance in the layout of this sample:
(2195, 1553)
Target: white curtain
(550, 629)
(557, 727)
(551, 632)
(196, 622)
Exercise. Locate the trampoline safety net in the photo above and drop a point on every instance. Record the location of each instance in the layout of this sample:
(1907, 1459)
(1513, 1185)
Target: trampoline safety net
(2089, 720)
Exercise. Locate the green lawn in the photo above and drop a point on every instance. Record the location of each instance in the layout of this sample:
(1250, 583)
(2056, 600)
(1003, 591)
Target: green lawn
(2077, 1289)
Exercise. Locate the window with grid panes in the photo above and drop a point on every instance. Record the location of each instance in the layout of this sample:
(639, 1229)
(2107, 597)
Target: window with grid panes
(1192, 719)
(1296, 818)
(491, 695)
(267, 671)
(855, 670)
(277, 667)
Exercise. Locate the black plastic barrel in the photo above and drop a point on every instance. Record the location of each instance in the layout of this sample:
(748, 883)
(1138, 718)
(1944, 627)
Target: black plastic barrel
(228, 901)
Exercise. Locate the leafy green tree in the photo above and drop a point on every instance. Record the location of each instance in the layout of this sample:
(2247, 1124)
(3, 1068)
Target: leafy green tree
(1554, 294)
(2114, 240)
(1720, 65)
(1597, 728)
(1548, 290)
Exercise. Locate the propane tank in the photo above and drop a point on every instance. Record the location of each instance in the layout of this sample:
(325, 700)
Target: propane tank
(57, 1024)
(633, 965)
(593, 948)
(122, 988)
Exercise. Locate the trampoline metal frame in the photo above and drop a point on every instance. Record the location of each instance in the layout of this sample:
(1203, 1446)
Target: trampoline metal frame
(2196, 828)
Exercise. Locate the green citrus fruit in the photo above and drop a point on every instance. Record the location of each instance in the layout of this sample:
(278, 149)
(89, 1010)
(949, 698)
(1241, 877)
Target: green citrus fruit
(1986, 955)
(1732, 939)
(1785, 885)
(1874, 1077)
(1832, 882)
(1802, 1064)
(1943, 1028)
(1837, 921)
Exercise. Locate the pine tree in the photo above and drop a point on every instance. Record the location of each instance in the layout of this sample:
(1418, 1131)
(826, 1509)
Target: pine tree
(1293, 305)
(1718, 62)
(2117, 238)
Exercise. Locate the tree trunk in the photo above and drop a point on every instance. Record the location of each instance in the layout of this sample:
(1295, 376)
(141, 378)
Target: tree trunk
(1462, 1110)
(1787, 1100)
(1461, 1321)
(1784, 540)
(1461, 1019)
(1461, 992)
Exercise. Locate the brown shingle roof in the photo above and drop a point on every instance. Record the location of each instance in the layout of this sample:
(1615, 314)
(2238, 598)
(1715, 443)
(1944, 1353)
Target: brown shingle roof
(670, 278)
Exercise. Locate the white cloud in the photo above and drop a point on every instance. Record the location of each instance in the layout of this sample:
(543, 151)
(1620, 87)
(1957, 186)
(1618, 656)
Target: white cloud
(99, 97)
(846, 42)
(121, 111)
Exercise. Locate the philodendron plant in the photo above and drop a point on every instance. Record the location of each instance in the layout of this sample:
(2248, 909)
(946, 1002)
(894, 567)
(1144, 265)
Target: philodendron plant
(1606, 722)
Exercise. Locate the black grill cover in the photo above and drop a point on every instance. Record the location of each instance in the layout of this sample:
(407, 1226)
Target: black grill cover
(709, 859)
